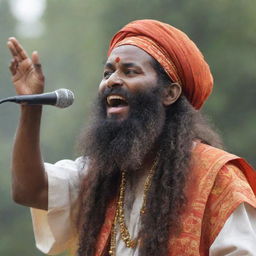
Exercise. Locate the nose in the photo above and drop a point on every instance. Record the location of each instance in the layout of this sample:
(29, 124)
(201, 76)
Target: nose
(114, 80)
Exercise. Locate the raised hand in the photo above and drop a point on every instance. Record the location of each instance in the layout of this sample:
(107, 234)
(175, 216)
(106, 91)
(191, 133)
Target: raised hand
(29, 181)
(27, 75)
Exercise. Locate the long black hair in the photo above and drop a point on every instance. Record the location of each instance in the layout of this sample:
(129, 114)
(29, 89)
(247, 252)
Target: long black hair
(166, 199)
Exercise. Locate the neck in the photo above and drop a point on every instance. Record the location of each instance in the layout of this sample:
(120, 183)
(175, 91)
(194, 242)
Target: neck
(147, 162)
(136, 178)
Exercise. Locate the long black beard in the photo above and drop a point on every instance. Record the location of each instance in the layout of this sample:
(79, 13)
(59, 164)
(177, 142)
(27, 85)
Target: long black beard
(174, 130)
(124, 144)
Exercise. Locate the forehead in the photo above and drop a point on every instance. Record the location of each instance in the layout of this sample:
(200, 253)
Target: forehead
(131, 54)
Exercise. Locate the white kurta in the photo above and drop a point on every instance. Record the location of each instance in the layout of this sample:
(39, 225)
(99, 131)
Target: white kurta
(55, 232)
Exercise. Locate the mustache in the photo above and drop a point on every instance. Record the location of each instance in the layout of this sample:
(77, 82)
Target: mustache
(115, 90)
(129, 96)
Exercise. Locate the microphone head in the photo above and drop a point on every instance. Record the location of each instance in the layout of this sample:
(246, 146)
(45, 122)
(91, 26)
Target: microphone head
(65, 98)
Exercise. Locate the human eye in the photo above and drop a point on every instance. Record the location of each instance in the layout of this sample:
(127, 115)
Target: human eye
(107, 74)
(131, 71)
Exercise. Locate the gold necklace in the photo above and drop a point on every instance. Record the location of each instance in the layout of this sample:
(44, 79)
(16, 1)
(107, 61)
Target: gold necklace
(119, 215)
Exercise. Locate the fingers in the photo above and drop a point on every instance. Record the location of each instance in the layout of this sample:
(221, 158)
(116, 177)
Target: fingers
(16, 49)
(13, 66)
(35, 58)
(21, 62)
(12, 49)
(36, 63)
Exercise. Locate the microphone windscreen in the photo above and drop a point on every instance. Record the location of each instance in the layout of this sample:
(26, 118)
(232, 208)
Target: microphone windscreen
(65, 98)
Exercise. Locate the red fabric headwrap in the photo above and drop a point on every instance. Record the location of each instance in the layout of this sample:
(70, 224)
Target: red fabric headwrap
(177, 54)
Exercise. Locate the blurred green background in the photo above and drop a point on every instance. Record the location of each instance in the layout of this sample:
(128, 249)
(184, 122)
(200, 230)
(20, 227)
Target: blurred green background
(72, 38)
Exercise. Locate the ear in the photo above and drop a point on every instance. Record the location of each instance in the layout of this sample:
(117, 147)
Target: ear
(171, 93)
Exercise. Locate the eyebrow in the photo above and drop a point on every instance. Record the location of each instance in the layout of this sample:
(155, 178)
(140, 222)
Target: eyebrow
(126, 65)
(130, 65)
(109, 65)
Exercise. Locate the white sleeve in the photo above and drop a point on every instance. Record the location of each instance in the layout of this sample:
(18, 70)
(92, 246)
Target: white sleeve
(238, 235)
(54, 229)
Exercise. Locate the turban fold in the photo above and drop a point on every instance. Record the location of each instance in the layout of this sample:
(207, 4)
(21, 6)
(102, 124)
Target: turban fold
(176, 53)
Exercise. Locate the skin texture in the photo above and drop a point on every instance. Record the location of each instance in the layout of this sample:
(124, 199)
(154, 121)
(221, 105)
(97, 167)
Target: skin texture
(134, 73)
(29, 181)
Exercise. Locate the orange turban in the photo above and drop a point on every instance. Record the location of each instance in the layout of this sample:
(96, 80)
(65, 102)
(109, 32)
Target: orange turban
(176, 53)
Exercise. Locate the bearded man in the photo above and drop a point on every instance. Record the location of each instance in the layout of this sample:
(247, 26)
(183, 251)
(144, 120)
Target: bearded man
(151, 180)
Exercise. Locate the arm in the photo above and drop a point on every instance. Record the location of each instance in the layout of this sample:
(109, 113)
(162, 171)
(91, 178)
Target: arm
(29, 181)
(238, 235)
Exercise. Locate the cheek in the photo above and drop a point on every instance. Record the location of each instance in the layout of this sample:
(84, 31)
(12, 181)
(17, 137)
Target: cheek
(146, 83)
(139, 87)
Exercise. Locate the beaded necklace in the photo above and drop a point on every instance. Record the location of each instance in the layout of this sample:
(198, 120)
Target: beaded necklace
(119, 215)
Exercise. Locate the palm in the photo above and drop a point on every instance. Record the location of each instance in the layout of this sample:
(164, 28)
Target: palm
(27, 80)
(27, 75)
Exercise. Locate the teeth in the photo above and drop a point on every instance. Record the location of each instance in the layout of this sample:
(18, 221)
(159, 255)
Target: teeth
(115, 97)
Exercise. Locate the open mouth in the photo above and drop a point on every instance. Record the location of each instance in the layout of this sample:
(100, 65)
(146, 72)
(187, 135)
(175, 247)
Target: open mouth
(116, 101)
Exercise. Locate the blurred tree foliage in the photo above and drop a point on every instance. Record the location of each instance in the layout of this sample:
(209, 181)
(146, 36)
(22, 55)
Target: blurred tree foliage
(73, 50)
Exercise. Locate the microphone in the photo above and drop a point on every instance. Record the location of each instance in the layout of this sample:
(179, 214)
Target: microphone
(61, 98)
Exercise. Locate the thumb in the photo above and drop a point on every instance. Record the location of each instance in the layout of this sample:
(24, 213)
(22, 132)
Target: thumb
(36, 63)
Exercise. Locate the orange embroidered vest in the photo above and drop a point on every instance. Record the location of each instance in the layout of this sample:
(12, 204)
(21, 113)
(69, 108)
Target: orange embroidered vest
(211, 200)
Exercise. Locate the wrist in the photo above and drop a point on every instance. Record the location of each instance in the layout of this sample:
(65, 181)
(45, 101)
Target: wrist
(34, 110)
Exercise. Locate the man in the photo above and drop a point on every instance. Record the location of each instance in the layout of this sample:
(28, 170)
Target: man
(148, 183)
